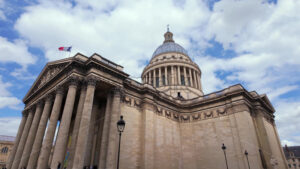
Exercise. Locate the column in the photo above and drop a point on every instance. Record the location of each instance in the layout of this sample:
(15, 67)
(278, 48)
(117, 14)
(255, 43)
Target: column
(89, 150)
(31, 135)
(105, 131)
(178, 75)
(22, 142)
(101, 117)
(40, 134)
(17, 141)
(62, 136)
(77, 125)
(112, 150)
(172, 75)
(48, 141)
(185, 77)
(199, 82)
(150, 78)
(146, 79)
(166, 75)
(159, 77)
(154, 77)
(84, 123)
(191, 79)
(195, 79)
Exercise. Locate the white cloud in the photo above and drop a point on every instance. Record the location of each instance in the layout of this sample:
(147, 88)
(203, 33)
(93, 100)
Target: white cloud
(9, 125)
(287, 120)
(16, 52)
(126, 33)
(264, 36)
(6, 100)
(2, 16)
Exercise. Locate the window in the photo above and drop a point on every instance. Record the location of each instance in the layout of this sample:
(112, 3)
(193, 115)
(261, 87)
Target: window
(164, 80)
(290, 166)
(4, 150)
(182, 80)
(157, 82)
(189, 81)
(164, 57)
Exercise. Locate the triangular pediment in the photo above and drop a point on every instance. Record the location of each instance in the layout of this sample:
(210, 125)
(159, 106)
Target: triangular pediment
(48, 73)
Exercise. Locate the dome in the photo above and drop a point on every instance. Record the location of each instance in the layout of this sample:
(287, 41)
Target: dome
(169, 47)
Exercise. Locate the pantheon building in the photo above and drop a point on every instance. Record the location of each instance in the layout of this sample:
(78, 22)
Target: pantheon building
(71, 111)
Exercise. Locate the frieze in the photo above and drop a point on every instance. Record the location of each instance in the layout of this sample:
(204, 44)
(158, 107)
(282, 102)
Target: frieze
(49, 74)
(131, 101)
(185, 118)
(137, 103)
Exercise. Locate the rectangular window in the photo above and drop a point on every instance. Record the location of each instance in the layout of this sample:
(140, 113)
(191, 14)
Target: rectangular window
(182, 80)
(164, 80)
(157, 82)
(189, 81)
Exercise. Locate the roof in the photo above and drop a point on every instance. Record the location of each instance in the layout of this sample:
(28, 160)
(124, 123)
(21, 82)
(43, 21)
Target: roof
(169, 47)
(7, 138)
(294, 149)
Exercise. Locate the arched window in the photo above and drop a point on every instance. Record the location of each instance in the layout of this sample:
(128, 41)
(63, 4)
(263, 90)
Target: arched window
(4, 150)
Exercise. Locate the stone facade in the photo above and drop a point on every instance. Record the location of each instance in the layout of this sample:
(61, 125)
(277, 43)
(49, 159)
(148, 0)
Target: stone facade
(6, 144)
(292, 155)
(170, 123)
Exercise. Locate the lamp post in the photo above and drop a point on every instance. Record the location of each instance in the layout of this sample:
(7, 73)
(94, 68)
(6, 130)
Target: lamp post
(120, 126)
(224, 150)
(246, 154)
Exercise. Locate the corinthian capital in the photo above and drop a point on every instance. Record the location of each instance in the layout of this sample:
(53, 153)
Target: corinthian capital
(73, 80)
(91, 80)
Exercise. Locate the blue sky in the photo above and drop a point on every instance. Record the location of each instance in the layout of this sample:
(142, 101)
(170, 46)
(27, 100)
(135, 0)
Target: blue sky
(251, 42)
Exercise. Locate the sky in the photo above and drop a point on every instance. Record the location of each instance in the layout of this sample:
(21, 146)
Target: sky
(251, 42)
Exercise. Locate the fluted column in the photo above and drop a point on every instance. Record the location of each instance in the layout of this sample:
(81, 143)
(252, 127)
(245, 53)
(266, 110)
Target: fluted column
(150, 78)
(185, 77)
(77, 125)
(159, 77)
(191, 79)
(84, 123)
(22, 141)
(62, 137)
(172, 75)
(112, 150)
(166, 75)
(199, 82)
(31, 135)
(195, 79)
(40, 134)
(47, 144)
(91, 130)
(105, 131)
(146, 81)
(17, 141)
(178, 75)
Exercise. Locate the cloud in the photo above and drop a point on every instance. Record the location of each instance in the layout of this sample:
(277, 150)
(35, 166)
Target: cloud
(9, 125)
(287, 120)
(6, 100)
(15, 52)
(2, 16)
(263, 35)
(125, 32)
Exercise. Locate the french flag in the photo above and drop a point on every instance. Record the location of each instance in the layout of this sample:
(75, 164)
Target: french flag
(68, 49)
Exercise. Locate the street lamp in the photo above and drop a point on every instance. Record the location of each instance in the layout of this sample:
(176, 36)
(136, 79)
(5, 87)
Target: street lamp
(120, 126)
(246, 154)
(224, 150)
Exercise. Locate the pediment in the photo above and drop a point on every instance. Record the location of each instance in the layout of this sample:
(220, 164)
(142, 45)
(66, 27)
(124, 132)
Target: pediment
(48, 73)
